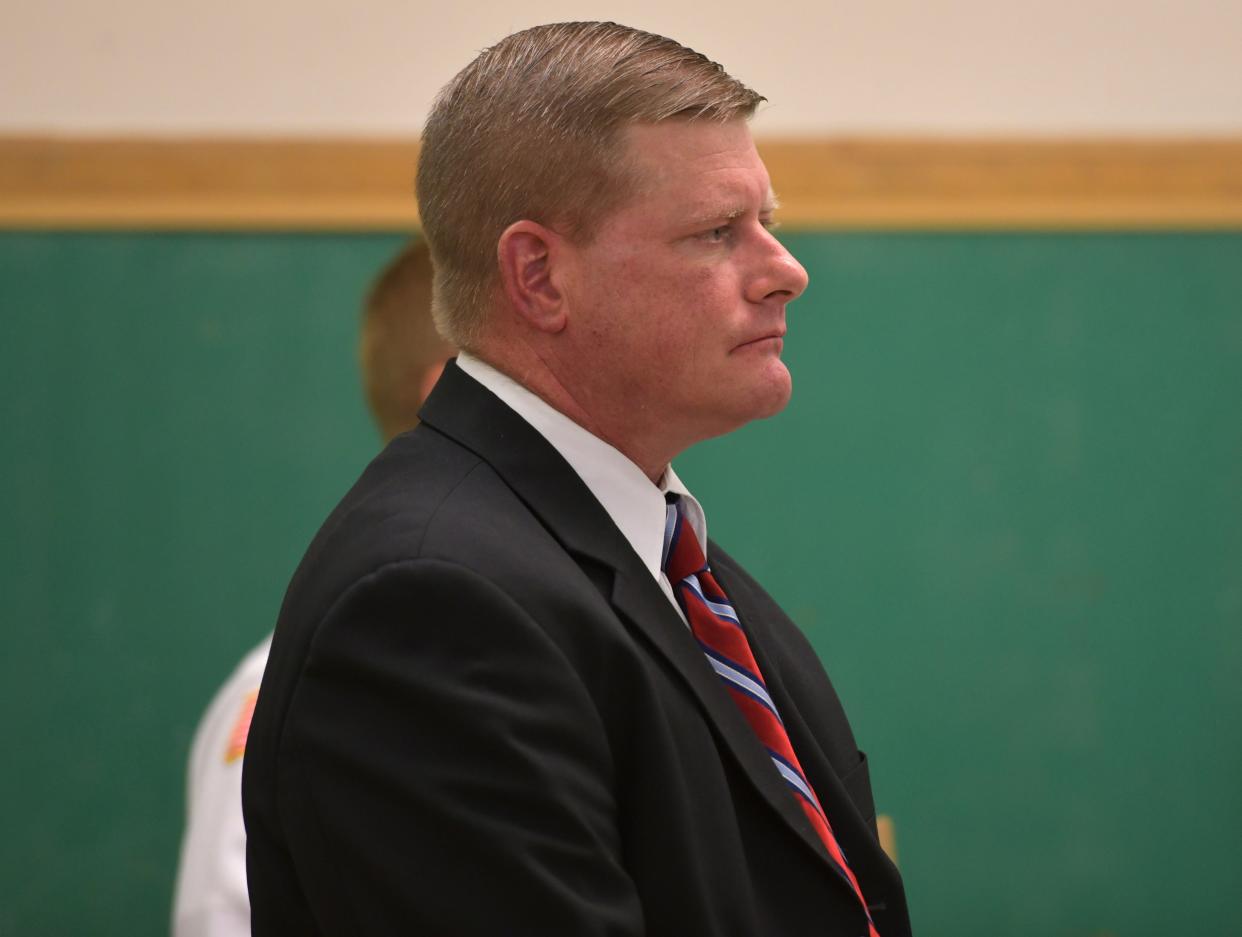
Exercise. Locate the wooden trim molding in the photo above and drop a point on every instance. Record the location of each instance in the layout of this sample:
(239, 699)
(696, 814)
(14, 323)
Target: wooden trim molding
(963, 184)
(207, 184)
(367, 185)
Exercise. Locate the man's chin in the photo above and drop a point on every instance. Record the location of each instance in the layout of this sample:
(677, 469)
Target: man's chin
(732, 407)
(772, 396)
(771, 405)
(768, 396)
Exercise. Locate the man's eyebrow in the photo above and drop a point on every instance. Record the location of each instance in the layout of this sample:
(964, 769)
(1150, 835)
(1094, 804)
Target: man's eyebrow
(732, 212)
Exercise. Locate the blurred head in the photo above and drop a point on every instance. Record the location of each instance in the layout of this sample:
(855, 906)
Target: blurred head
(399, 350)
(532, 129)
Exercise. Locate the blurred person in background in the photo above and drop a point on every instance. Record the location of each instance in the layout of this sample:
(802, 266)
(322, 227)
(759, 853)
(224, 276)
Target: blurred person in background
(401, 357)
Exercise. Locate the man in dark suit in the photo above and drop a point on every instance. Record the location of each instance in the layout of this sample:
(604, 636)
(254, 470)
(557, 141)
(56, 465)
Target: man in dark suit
(507, 694)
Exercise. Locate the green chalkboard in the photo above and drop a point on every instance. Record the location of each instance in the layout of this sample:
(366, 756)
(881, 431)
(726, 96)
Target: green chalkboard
(1011, 476)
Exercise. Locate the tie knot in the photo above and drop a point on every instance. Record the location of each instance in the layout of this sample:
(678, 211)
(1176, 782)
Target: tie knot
(683, 556)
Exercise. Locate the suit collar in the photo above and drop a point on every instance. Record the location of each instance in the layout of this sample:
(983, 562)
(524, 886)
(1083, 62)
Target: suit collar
(635, 505)
(465, 411)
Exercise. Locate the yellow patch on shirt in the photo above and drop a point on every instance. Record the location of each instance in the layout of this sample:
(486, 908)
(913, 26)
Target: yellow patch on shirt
(241, 728)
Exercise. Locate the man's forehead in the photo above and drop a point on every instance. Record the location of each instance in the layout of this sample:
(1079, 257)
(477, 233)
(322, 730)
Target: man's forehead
(710, 168)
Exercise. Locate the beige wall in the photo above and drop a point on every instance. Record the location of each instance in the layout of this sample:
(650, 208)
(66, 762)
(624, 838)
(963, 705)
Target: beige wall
(331, 67)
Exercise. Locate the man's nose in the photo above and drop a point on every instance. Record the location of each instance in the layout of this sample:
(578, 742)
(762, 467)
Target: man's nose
(780, 275)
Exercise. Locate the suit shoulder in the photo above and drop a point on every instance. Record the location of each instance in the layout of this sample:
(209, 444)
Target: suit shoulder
(385, 516)
(425, 497)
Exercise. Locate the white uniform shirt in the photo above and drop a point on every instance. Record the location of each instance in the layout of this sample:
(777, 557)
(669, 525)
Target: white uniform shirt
(211, 898)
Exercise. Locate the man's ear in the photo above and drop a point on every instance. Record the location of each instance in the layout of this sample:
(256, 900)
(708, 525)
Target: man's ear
(527, 253)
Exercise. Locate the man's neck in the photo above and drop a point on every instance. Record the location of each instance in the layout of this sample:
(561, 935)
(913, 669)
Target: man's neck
(533, 373)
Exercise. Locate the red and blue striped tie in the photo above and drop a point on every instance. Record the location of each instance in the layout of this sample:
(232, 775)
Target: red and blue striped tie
(715, 624)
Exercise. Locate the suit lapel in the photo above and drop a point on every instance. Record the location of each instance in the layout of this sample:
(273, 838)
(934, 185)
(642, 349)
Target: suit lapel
(848, 823)
(647, 609)
(464, 410)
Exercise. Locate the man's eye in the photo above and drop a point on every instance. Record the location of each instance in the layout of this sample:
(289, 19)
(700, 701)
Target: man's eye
(716, 235)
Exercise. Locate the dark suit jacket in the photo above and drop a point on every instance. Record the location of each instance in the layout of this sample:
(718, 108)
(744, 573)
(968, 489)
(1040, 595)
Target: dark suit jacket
(481, 715)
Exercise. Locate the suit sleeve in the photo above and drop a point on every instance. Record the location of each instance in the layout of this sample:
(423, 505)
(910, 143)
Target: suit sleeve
(444, 771)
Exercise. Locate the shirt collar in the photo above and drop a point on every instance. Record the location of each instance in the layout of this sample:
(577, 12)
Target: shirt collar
(635, 505)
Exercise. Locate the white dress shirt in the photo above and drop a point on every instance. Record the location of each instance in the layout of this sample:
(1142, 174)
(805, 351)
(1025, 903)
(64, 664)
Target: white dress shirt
(635, 505)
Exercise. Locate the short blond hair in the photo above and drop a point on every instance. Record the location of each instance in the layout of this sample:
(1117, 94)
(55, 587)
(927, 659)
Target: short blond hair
(399, 344)
(529, 130)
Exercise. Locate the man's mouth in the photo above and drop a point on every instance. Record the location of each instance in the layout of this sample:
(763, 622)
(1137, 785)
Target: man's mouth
(776, 336)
